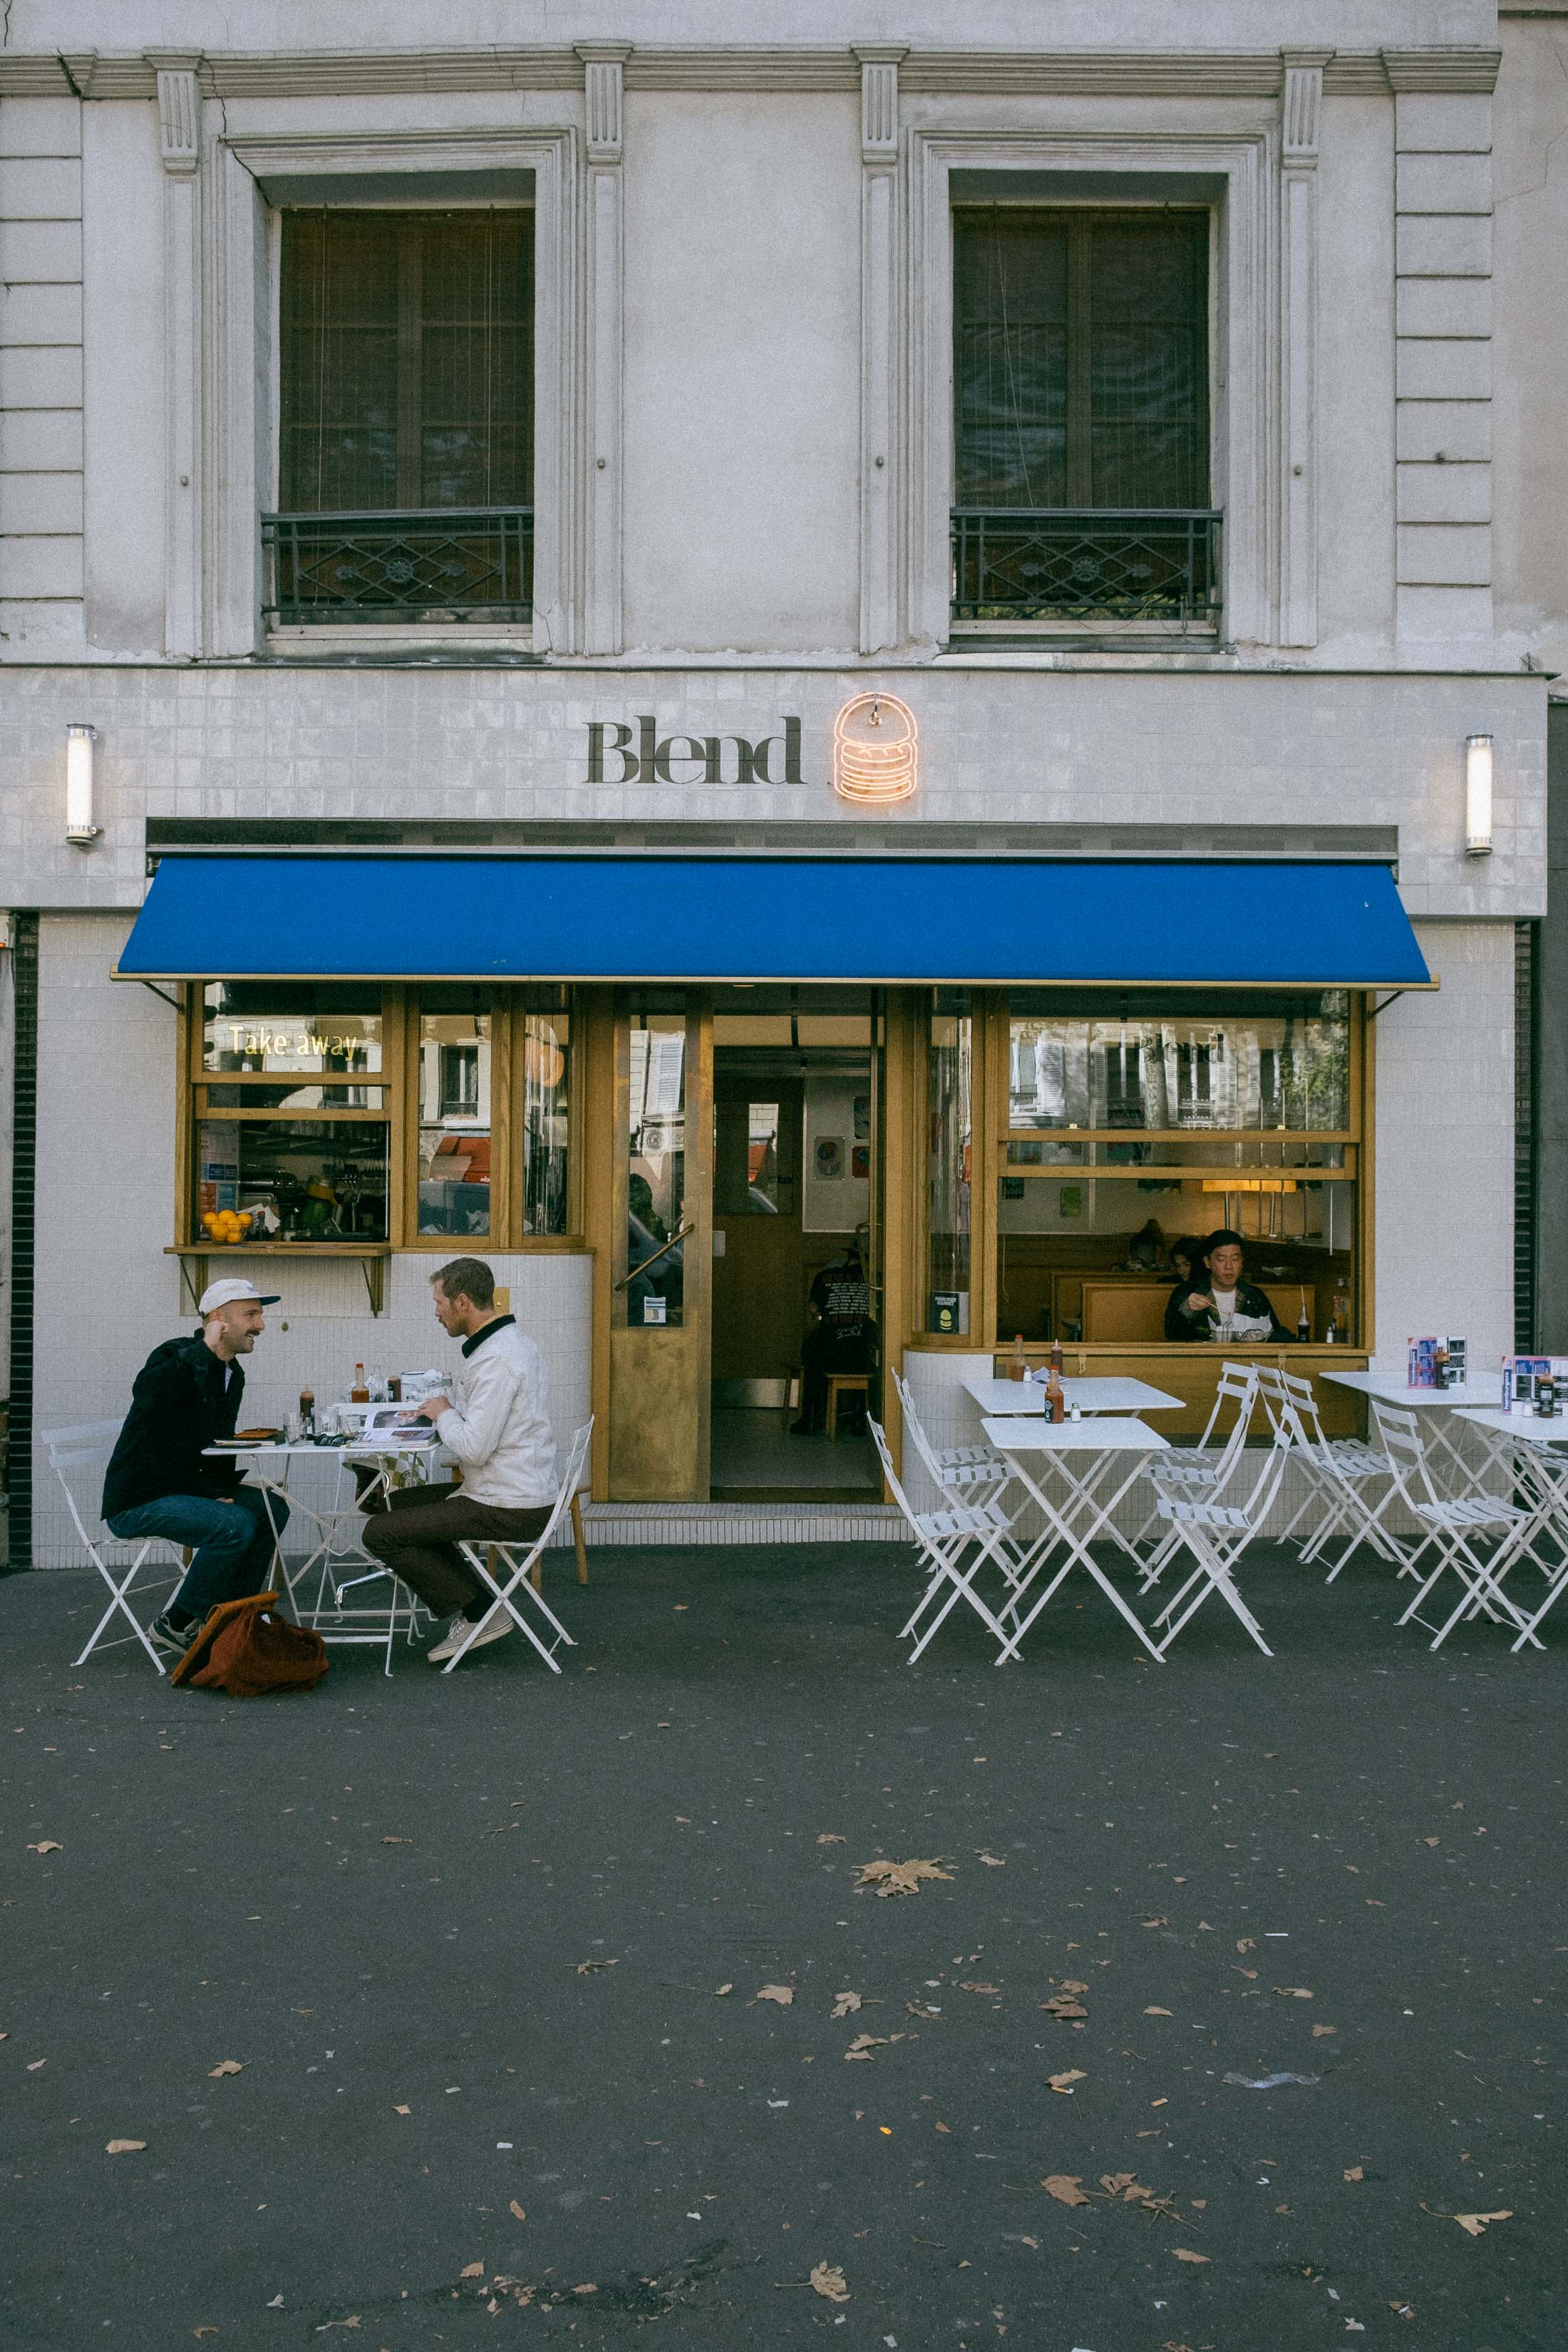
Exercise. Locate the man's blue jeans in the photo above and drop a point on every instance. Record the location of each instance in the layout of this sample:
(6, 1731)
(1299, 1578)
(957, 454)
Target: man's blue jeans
(233, 1543)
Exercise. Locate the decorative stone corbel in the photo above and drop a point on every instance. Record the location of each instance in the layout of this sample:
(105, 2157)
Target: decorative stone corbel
(879, 452)
(1301, 106)
(180, 151)
(604, 96)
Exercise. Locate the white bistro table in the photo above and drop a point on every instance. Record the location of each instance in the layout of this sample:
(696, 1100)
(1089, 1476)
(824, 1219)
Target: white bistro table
(1076, 1471)
(337, 1543)
(1535, 1453)
(1090, 1393)
(1455, 1475)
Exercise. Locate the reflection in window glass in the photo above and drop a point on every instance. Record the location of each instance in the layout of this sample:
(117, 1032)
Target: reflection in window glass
(746, 1159)
(284, 1025)
(298, 1180)
(655, 1168)
(544, 1042)
(949, 1075)
(1284, 1067)
(455, 1064)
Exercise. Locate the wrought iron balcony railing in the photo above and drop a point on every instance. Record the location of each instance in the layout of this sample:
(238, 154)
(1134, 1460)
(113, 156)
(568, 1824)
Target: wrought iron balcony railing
(1110, 564)
(448, 564)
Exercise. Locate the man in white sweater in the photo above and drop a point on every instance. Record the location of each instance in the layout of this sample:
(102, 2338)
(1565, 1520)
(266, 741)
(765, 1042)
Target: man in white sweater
(499, 1429)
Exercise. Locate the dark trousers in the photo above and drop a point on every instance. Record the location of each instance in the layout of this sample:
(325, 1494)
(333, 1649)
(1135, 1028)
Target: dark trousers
(826, 1350)
(417, 1535)
(232, 1542)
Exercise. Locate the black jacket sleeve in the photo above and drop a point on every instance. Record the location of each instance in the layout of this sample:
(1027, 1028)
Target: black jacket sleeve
(1179, 1325)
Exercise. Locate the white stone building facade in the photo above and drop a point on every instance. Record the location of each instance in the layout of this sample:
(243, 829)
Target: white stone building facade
(742, 510)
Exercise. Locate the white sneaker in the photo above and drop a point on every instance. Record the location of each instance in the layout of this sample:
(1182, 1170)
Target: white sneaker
(462, 1635)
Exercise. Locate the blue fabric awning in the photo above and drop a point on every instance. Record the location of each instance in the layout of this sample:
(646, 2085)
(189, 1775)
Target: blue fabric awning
(884, 918)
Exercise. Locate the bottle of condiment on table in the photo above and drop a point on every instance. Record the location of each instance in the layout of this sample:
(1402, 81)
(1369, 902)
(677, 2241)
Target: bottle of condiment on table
(1017, 1369)
(1056, 1397)
(360, 1393)
(1304, 1324)
(306, 1412)
(1056, 1358)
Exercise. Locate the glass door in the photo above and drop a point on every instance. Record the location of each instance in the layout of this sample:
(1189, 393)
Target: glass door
(661, 1281)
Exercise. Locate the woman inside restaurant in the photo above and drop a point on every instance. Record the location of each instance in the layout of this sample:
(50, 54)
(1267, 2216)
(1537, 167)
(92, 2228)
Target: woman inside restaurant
(1215, 1303)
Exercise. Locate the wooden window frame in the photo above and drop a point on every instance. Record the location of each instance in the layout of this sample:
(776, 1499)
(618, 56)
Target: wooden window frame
(992, 1132)
(398, 1083)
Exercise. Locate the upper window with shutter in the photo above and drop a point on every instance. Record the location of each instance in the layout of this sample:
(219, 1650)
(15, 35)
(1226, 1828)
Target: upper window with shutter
(1081, 389)
(405, 409)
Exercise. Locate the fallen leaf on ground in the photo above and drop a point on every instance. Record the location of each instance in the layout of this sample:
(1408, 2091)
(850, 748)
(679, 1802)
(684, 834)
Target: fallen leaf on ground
(1061, 2005)
(828, 2281)
(1404, 2310)
(34, 2064)
(1064, 2083)
(472, 2269)
(225, 2066)
(829, 1837)
(864, 2043)
(1474, 2224)
(979, 1988)
(992, 1861)
(783, 1994)
(1071, 1984)
(845, 2004)
(1157, 2012)
(402, 2111)
(1066, 2188)
(47, 1845)
(899, 1877)
(1293, 1992)
(392, 1841)
(204, 2331)
(124, 2147)
(922, 2008)
(1356, 2172)
(1319, 2031)
(720, 1990)
(1153, 1922)
(515, 2210)
(1185, 2254)
(592, 1968)
(1246, 1943)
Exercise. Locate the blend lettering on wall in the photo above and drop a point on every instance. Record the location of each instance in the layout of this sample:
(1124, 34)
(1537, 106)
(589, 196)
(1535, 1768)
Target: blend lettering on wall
(701, 759)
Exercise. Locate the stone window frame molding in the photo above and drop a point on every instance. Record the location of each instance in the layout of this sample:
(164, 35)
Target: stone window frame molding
(241, 368)
(1245, 344)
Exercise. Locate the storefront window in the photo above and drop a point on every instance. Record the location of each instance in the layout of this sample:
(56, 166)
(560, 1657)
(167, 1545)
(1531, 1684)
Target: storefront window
(950, 1145)
(1139, 1123)
(544, 1044)
(293, 1179)
(272, 1027)
(1162, 1063)
(454, 1084)
(653, 1287)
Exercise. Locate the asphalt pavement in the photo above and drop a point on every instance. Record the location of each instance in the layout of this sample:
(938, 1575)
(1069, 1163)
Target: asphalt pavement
(506, 2008)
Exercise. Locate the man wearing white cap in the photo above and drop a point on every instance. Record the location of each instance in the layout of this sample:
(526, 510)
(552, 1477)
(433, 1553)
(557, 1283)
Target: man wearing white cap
(160, 1480)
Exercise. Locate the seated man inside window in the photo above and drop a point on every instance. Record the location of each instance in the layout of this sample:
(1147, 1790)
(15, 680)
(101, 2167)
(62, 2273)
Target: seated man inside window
(1215, 1303)
(841, 1339)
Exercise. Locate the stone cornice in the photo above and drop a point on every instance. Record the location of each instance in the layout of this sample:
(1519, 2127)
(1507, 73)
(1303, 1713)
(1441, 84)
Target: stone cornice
(1170, 73)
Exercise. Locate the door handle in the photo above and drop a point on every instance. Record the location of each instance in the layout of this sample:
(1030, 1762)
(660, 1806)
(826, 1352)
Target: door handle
(654, 1260)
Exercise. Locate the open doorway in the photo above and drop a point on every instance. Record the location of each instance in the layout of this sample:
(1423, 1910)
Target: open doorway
(795, 1339)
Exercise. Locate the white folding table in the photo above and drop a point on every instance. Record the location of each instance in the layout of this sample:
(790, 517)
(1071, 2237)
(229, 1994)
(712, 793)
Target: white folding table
(1043, 1454)
(1090, 1393)
(1535, 1452)
(337, 1546)
(1454, 1475)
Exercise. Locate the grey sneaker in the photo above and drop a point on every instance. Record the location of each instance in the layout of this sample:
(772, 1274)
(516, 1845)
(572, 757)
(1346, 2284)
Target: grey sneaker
(171, 1637)
(463, 1634)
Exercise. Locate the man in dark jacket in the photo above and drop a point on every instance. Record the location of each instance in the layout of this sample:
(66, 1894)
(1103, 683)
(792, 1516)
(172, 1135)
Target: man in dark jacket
(160, 1480)
(1215, 1303)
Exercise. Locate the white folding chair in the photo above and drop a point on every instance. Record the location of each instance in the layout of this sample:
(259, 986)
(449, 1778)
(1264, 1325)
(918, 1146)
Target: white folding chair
(1336, 1470)
(517, 1562)
(1204, 1471)
(1217, 1534)
(965, 1472)
(942, 1538)
(74, 1454)
(1454, 1524)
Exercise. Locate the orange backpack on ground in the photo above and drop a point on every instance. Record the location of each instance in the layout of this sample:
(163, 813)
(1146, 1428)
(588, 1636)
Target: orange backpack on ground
(246, 1648)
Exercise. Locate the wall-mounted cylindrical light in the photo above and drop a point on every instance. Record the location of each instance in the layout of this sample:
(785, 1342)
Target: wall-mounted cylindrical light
(1478, 796)
(80, 826)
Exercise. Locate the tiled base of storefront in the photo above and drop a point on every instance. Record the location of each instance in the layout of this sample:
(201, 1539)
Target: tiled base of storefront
(739, 1523)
